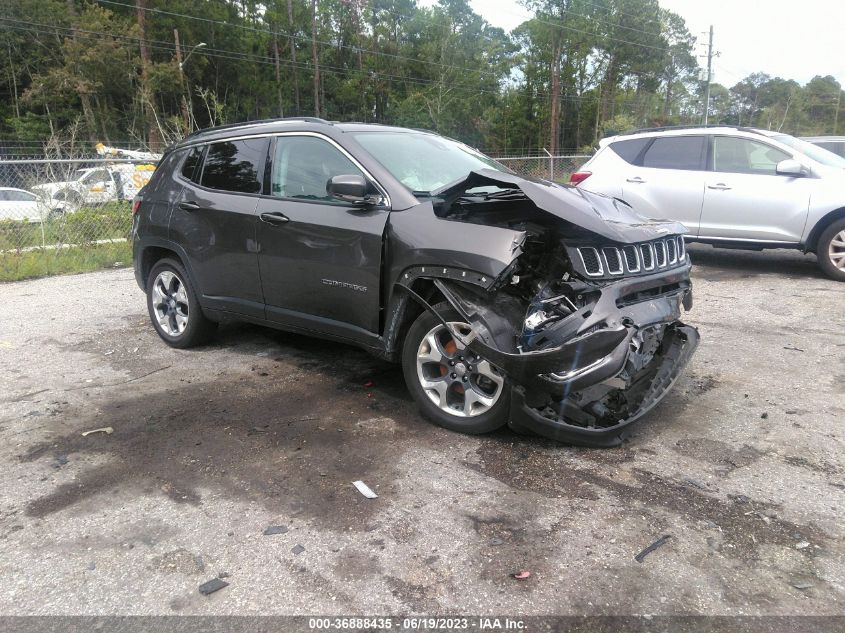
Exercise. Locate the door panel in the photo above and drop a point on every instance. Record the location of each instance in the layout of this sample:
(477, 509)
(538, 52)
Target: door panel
(669, 184)
(320, 259)
(745, 199)
(218, 227)
(325, 261)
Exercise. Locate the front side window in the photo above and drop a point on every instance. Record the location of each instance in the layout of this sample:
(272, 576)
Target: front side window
(676, 152)
(303, 166)
(744, 156)
(234, 165)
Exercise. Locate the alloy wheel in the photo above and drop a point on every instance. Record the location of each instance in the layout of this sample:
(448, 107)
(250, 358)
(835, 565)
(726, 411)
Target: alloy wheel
(170, 303)
(459, 382)
(836, 250)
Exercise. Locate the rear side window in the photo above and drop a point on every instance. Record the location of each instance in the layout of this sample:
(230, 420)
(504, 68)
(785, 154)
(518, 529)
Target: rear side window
(234, 165)
(190, 169)
(676, 152)
(630, 149)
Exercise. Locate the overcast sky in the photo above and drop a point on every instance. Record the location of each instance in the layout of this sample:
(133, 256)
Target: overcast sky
(794, 40)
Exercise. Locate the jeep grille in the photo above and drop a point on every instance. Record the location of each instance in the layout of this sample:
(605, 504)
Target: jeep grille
(614, 261)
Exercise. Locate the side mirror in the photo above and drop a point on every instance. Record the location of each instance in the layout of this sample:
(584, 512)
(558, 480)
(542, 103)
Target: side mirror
(351, 188)
(790, 167)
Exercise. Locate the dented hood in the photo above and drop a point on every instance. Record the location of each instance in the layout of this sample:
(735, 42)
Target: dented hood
(605, 216)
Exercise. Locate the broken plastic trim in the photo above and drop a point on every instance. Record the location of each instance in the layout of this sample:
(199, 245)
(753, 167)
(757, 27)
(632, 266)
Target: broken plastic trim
(526, 368)
(683, 344)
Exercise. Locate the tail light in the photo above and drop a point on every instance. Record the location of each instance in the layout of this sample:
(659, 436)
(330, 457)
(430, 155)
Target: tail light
(136, 204)
(579, 177)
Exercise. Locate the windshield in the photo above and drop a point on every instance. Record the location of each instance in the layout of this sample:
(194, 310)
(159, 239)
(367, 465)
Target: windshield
(818, 154)
(424, 162)
(79, 174)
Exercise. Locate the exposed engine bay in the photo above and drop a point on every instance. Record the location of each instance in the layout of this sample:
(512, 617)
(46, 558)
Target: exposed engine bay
(586, 328)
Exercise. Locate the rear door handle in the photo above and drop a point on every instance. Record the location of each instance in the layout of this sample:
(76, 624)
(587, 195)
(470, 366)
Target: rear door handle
(636, 179)
(274, 217)
(188, 205)
(719, 186)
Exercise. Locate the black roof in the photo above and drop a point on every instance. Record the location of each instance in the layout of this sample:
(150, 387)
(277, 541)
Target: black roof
(268, 126)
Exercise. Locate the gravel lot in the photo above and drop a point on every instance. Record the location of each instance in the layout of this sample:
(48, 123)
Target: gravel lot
(742, 465)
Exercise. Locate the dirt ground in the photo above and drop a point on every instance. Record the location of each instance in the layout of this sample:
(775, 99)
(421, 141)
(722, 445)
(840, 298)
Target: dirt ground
(742, 465)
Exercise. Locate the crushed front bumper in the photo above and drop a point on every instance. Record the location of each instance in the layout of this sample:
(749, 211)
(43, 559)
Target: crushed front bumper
(679, 343)
(593, 386)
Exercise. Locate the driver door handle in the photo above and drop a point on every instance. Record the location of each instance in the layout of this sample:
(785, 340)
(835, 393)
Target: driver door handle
(274, 217)
(719, 186)
(636, 179)
(188, 205)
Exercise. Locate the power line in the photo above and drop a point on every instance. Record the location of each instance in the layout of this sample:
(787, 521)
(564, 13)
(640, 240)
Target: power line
(297, 37)
(242, 56)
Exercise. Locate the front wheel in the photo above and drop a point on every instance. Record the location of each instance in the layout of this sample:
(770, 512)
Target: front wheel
(453, 387)
(173, 306)
(831, 250)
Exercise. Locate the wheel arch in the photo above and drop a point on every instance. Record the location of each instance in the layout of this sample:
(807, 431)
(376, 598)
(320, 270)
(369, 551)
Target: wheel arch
(820, 226)
(404, 311)
(150, 254)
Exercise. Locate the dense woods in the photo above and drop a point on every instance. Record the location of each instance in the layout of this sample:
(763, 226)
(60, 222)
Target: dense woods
(144, 72)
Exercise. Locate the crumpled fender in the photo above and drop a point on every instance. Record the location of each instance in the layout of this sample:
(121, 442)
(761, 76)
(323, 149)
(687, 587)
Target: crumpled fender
(605, 216)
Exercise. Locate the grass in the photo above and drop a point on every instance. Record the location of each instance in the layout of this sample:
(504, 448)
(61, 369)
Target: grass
(66, 244)
(88, 224)
(15, 266)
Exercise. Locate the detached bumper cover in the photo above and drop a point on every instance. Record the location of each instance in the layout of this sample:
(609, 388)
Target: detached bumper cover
(679, 343)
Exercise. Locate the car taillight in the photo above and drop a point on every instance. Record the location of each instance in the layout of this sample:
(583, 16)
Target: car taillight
(579, 177)
(136, 204)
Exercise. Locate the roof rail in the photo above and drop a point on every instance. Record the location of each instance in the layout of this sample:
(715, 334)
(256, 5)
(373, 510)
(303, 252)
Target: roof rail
(228, 126)
(667, 128)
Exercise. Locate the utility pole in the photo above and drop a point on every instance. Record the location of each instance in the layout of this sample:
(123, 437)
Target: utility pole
(836, 113)
(186, 121)
(709, 77)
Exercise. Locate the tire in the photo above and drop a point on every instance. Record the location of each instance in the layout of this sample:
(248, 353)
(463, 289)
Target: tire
(830, 250)
(472, 396)
(174, 308)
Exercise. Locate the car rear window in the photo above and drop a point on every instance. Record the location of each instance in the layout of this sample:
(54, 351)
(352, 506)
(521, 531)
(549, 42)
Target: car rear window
(676, 152)
(234, 165)
(189, 169)
(628, 150)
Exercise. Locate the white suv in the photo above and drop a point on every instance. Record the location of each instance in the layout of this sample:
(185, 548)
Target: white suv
(730, 186)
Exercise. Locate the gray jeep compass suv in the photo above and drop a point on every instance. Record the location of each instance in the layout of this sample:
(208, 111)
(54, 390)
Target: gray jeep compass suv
(506, 300)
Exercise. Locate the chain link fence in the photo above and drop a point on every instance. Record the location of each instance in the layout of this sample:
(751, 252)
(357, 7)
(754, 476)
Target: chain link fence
(554, 168)
(66, 215)
(73, 215)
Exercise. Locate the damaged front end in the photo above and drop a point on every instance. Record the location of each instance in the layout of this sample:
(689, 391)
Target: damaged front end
(584, 320)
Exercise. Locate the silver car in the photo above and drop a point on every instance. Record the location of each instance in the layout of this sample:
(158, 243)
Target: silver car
(730, 186)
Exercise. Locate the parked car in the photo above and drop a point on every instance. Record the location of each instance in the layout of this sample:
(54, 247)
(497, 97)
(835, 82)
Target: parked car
(835, 144)
(95, 186)
(732, 187)
(506, 300)
(21, 206)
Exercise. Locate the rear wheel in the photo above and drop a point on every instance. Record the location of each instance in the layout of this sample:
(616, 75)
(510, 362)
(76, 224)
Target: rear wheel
(173, 306)
(830, 250)
(453, 387)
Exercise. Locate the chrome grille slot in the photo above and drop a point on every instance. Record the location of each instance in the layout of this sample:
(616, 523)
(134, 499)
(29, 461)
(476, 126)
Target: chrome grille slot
(682, 248)
(647, 253)
(612, 259)
(632, 259)
(673, 248)
(660, 252)
(590, 259)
